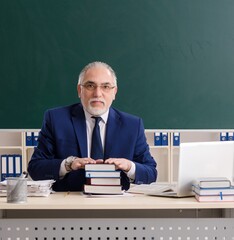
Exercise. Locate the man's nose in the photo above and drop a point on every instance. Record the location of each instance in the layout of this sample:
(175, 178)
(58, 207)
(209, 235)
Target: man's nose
(98, 91)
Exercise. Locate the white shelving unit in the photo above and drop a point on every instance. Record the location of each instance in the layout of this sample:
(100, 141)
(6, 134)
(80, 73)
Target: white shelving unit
(13, 141)
(161, 154)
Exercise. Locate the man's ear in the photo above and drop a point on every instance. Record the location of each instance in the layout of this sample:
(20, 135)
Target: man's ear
(115, 92)
(78, 90)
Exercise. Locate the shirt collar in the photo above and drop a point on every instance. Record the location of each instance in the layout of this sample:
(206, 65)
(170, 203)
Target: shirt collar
(104, 116)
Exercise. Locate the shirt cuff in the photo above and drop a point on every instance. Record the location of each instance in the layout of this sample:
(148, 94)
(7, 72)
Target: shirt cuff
(131, 172)
(62, 171)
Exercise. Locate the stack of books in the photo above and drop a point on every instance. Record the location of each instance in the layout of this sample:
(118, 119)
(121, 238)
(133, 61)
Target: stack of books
(213, 190)
(102, 179)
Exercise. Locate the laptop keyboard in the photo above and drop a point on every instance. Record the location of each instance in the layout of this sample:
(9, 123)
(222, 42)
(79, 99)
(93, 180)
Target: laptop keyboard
(153, 188)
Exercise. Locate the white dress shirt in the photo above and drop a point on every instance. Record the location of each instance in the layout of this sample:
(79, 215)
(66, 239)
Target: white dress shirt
(90, 122)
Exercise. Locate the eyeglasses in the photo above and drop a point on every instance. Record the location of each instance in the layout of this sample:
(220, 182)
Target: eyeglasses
(92, 87)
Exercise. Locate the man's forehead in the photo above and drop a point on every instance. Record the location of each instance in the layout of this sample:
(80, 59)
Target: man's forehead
(98, 69)
(98, 73)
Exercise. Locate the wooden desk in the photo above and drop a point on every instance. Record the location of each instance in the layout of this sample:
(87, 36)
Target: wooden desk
(78, 201)
(127, 217)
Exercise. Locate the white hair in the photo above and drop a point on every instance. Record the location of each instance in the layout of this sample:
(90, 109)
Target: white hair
(93, 64)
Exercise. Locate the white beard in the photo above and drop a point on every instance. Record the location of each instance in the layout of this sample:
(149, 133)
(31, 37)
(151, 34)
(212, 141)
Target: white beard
(96, 111)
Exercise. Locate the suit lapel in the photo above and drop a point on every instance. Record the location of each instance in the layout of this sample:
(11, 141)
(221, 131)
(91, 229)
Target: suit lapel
(79, 123)
(112, 129)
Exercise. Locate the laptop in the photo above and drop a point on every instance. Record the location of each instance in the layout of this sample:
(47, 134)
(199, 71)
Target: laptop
(197, 160)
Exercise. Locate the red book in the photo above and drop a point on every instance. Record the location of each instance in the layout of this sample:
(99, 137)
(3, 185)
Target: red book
(103, 181)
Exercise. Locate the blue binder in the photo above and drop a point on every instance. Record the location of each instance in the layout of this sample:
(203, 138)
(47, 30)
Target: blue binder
(29, 139)
(17, 165)
(4, 167)
(176, 139)
(164, 139)
(223, 136)
(157, 139)
(35, 138)
(10, 172)
(230, 136)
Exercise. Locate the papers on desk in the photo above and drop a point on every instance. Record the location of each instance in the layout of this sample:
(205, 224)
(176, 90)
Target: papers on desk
(41, 188)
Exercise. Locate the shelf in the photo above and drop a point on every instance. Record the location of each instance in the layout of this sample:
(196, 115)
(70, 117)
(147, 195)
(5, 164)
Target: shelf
(11, 147)
(159, 147)
(13, 141)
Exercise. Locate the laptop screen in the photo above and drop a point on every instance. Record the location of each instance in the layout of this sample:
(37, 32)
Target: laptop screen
(203, 159)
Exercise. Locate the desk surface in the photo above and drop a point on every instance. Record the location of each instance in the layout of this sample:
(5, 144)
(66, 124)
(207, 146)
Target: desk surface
(78, 201)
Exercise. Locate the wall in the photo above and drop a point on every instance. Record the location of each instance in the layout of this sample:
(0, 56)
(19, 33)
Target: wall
(174, 59)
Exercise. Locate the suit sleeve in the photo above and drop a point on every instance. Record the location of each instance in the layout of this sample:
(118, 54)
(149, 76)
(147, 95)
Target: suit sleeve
(44, 164)
(145, 164)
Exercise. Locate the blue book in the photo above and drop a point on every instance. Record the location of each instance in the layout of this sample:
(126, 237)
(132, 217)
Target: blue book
(157, 139)
(29, 139)
(164, 139)
(176, 139)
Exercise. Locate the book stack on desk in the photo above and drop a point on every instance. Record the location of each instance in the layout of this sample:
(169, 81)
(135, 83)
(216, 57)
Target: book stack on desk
(213, 190)
(102, 179)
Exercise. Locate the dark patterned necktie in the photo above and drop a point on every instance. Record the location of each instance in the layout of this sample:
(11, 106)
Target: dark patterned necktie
(96, 144)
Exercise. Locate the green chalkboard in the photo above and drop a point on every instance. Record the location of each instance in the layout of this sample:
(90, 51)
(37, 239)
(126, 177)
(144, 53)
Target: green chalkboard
(174, 59)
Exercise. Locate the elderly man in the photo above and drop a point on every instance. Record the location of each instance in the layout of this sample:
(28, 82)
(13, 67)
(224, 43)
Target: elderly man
(65, 140)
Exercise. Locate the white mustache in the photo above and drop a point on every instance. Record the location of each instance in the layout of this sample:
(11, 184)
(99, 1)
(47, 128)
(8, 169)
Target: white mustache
(97, 99)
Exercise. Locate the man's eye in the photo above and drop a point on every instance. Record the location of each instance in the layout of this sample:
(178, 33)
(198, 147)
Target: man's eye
(89, 85)
(106, 87)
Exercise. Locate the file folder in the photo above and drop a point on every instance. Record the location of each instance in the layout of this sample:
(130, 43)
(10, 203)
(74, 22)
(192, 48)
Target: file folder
(176, 139)
(10, 172)
(164, 139)
(4, 166)
(35, 138)
(29, 139)
(17, 165)
(223, 136)
(230, 136)
(157, 139)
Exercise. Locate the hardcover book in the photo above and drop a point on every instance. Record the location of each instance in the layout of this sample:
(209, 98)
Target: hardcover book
(213, 182)
(103, 181)
(220, 198)
(213, 191)
(100, 167)
(102, 174)
(97, 189)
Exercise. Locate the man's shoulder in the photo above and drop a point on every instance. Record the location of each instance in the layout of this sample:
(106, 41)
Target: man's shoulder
(125, 115)
(64, 109)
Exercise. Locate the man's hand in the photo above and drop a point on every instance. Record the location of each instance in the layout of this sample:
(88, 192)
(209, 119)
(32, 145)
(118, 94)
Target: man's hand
(79, 163)
(120, 163)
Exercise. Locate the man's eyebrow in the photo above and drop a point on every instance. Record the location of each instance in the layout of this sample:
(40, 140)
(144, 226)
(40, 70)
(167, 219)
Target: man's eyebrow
(89, 81)
(92, 82)
(106, 83)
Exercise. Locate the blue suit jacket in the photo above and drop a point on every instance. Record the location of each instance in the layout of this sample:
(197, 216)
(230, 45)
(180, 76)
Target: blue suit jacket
(63, 134)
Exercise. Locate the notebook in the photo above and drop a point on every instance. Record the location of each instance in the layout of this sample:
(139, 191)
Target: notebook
(196, 160)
